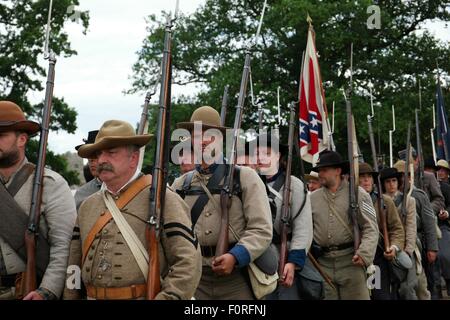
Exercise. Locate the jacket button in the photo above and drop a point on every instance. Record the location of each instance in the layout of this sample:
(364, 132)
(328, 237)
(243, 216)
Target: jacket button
(99, 276)
(105, 231)
(329, 236)
(208, 232)
(207, 214)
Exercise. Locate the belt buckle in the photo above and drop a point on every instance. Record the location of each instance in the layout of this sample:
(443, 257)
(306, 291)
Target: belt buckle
(333, 248)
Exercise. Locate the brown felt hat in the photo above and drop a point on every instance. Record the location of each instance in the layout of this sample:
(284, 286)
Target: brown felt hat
(12, 118)
(207, 116)
(113, 133)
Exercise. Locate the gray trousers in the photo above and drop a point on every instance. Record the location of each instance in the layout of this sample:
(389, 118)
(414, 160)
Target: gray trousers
(234, 286)
(407, 289)
(350, 280)
(284, 293)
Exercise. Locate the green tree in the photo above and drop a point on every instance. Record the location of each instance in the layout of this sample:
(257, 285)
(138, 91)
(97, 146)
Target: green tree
(22, 34)
(209, 48)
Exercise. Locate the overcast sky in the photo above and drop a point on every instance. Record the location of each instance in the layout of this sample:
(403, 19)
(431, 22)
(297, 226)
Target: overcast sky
(93, 81)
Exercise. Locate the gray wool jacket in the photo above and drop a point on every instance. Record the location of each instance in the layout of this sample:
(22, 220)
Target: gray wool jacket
(57, 222)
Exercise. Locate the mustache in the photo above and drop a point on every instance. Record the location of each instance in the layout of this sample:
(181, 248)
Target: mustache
(104, 167)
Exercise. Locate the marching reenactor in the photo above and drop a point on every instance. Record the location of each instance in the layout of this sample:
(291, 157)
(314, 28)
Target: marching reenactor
(427, 241)
(300, 229)
(90, 187)
(57, 206)
(390, 182)
(394, 228)
(312, 181)
(443, 171)
(333, 230)
(250, 224)
(430, 184)
(109, 239)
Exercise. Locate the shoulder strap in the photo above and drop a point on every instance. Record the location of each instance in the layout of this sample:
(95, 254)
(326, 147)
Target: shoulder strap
(203, 199)
(20, 178)
(139, 185)
(14, 222)
(279, 182)
(305, 194)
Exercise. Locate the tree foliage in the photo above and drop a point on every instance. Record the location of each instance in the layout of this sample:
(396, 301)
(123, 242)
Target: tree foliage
(209, 48)
(22, 36)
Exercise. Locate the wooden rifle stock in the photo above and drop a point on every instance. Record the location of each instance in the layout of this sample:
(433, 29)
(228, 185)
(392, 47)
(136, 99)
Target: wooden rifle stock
(36, 197)
(285, 209)
(160, 168)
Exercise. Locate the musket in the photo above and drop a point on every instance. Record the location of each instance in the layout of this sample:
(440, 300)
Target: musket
(276, 130)
(161, 163)
(433, 146)
(379, 194)
(406, 174)
(331, 145)
(256, 104)
(31, 233)
(286, 206)
(223, 111)
(228, 187)
(391, 158)
(143, 123)
(420, 173)
(353, 191)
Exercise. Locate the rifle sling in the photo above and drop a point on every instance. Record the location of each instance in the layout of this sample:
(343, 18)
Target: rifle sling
(14, 221)
(129, 194)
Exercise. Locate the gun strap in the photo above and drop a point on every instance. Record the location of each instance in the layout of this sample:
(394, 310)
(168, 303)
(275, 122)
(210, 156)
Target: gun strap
(129, 194)
(20, 178)
(203, 199)
(14, 221)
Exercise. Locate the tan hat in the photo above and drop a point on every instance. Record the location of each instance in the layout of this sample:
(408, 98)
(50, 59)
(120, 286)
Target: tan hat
(207, 116)
(312, 176)
(114, 133)
(365, 168)
(12, 118)
(400, 166)
(442, 164)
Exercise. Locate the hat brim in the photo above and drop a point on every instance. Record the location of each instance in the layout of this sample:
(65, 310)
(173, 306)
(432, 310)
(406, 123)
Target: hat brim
(345, 166)
(439, 167)
(397, 175)
(27, 126)
(190, 126)
(89, 149)
(310, 177)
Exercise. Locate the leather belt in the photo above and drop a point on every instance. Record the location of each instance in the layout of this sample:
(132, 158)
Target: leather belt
(338, 247)
(8, 280)
(210, 251)
(120, 293)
